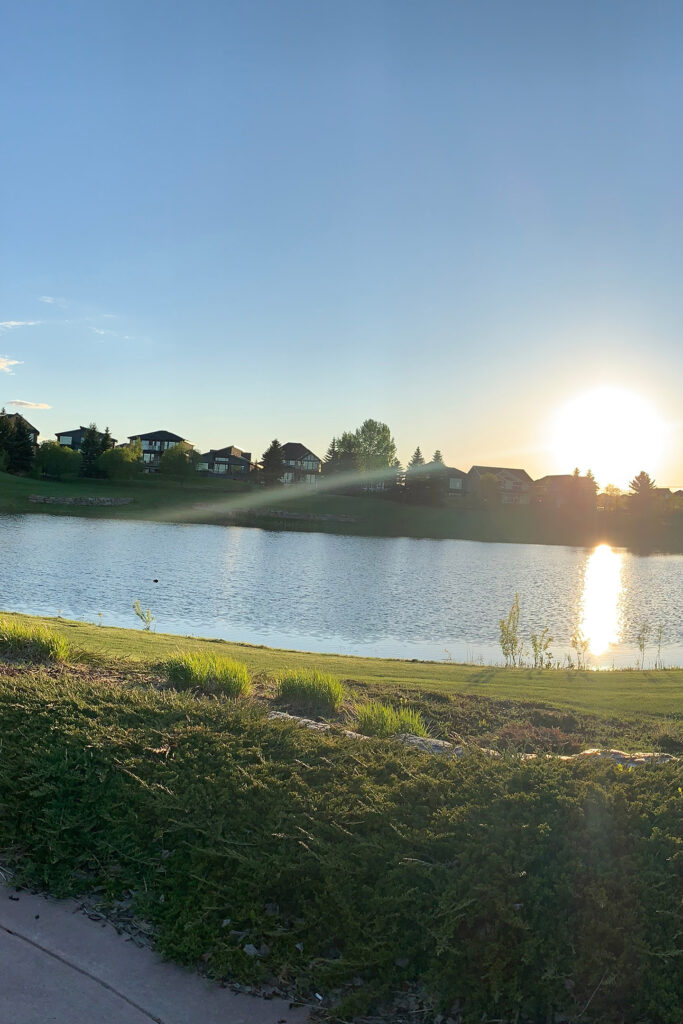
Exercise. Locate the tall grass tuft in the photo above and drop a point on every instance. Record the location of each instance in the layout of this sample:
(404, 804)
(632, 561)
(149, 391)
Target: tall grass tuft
(208, 673)
(376, 719)
(32, 643)
(309, 690)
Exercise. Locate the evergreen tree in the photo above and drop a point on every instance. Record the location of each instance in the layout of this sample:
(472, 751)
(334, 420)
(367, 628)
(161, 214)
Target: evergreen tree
(6, 435)
(21, 451)
(106, 441)
(331, 461)
(417, 459)
(437, 456)
(273, 466)
(642, 485)
(91, 449)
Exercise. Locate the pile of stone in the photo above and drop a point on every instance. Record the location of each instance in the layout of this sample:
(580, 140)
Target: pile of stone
(44, 499)
(432, 746)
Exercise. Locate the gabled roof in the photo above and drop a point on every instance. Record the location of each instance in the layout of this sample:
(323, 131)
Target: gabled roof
(156, 435)
(520, 473)
(563, 478)
(433, 467)
(70, 433)
(296, 450)
(17, 415)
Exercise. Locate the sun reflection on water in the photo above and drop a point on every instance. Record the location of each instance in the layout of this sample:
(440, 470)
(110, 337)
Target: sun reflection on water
(599, 622)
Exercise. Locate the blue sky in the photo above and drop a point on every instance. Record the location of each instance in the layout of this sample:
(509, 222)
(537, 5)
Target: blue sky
(277, 218)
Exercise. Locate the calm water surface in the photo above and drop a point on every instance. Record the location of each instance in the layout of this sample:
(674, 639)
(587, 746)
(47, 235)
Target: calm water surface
(391, 597)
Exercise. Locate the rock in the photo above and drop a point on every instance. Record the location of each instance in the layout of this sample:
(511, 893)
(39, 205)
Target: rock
(250, 949)
(426, 743)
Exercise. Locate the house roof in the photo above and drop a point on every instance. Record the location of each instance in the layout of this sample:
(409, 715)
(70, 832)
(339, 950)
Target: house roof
(17, 415)
(79, 430)
(440, 466)
(562, 478)
(520, 473)
(296, 450)
(224, 453)
(156, 435)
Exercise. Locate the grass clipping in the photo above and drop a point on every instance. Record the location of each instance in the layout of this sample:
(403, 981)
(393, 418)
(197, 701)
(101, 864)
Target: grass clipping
(517, 890)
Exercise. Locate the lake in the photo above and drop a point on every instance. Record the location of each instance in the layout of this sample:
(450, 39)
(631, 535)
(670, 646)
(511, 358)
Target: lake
(385, 597)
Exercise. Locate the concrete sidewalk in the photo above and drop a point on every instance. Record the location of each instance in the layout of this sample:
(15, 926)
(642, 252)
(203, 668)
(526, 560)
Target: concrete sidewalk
(59, 967)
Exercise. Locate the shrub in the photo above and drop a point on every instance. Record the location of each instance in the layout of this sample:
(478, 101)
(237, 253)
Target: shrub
(32, 643)
(309, 690)
(376, 719)
(208, 673)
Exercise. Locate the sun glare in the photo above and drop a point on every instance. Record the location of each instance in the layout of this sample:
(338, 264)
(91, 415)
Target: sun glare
(599, 622)
(613, 432)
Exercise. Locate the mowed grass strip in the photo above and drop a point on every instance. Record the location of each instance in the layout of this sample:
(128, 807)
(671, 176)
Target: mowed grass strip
(357, 870)
(622, 693)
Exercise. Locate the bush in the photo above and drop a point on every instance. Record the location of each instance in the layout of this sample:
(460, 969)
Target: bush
(309, 690)
(208, 673)
(32, 643)
(376, 719)
(520, 890)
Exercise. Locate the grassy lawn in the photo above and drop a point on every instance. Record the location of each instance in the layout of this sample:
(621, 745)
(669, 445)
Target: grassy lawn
(607, 708)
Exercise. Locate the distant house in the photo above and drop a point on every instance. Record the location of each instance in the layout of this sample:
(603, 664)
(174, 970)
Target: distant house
(301, 465)
(662, 493)
(564, 489)
(514, 485)
(230, 462)
(74, 438)
(16, 417)
(154, 444)
(436, 477)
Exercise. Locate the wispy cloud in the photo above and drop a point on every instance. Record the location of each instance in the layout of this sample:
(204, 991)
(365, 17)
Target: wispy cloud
(107, 332)
(29, 405)
(6, 364)
(53, 300)
(10, 325)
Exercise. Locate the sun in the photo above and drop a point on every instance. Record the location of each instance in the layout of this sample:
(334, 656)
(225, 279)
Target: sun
(611, 431)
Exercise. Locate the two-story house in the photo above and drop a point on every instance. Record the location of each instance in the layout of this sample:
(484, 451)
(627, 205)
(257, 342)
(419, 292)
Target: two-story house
(74, 438)
(562, 490)
(435, 479)
(301, 465)
(514, 485)
(154, 444)
(16, 417)
(230, 462)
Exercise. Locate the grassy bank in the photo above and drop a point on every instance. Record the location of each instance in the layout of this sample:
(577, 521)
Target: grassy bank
(217, 502)
(365, 872)
(526, 707)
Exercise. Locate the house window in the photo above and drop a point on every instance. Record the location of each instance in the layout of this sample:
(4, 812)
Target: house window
(65, 440)
(455, 483)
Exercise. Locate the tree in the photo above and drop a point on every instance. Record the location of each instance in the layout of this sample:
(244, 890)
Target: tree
(121, 463)
(375, 447)
(91, 449)
(642, 485)
(331, 461)
(56, 460)
(417, 459)
(6, 435)
(273, 466)
(611, 495)
(21, 451)
(179, 462)
(437, 456)
(106, 441)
